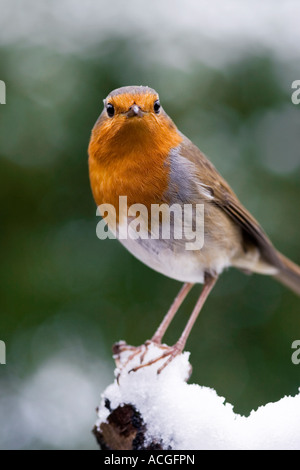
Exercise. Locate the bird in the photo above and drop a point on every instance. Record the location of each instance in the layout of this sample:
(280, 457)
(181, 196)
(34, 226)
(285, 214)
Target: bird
(136, 151)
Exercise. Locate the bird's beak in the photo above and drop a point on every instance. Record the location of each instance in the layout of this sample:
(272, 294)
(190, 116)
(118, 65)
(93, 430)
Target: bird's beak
(134, 110)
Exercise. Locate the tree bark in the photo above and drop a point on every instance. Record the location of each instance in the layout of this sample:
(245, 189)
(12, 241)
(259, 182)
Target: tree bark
(124, 430)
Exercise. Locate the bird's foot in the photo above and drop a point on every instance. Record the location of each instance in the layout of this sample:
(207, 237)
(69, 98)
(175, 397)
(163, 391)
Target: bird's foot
(169, 352)
(124, 354)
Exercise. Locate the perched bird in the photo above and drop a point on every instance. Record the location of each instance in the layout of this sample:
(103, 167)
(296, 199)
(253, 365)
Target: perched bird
(136, 151)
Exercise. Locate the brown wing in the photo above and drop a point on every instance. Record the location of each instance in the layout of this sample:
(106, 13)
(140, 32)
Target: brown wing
(224, 197)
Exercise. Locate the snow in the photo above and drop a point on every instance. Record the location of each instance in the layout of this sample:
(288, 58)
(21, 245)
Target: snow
(190, 417)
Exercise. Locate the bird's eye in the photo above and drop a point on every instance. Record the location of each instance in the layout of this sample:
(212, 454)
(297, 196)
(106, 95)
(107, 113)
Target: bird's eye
(156, 106)
(110, 110)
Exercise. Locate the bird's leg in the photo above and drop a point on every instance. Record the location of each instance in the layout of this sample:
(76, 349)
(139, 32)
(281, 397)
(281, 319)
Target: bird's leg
(178, 347)
(121, 346)
(158, 335)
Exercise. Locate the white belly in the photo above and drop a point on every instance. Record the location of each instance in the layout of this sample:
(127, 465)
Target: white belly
(174, 261)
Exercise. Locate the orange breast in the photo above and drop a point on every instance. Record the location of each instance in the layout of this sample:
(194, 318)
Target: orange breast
(131, 159)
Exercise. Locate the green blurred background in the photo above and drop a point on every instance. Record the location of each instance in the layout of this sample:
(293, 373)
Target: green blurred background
(224, 72)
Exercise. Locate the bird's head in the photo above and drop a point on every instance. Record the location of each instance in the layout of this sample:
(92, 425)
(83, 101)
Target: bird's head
(132, 118)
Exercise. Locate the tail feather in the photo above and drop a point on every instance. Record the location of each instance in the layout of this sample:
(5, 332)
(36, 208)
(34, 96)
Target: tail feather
(289, 274)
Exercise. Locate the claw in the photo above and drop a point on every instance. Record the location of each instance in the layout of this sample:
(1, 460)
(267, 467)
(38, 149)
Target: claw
(121, 346)
(146, 346)
(171, 351)
(175, 351)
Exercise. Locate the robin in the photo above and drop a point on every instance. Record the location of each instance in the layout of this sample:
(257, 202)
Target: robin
(137, 151)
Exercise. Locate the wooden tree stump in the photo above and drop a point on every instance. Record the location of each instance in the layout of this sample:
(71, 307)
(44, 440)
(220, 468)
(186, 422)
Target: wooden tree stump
(124, 430)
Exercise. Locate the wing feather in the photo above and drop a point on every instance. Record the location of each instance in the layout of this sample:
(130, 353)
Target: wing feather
(223, 197)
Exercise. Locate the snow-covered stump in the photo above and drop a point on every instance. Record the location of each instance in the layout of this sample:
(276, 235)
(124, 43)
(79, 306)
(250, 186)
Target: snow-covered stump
(145, 410)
